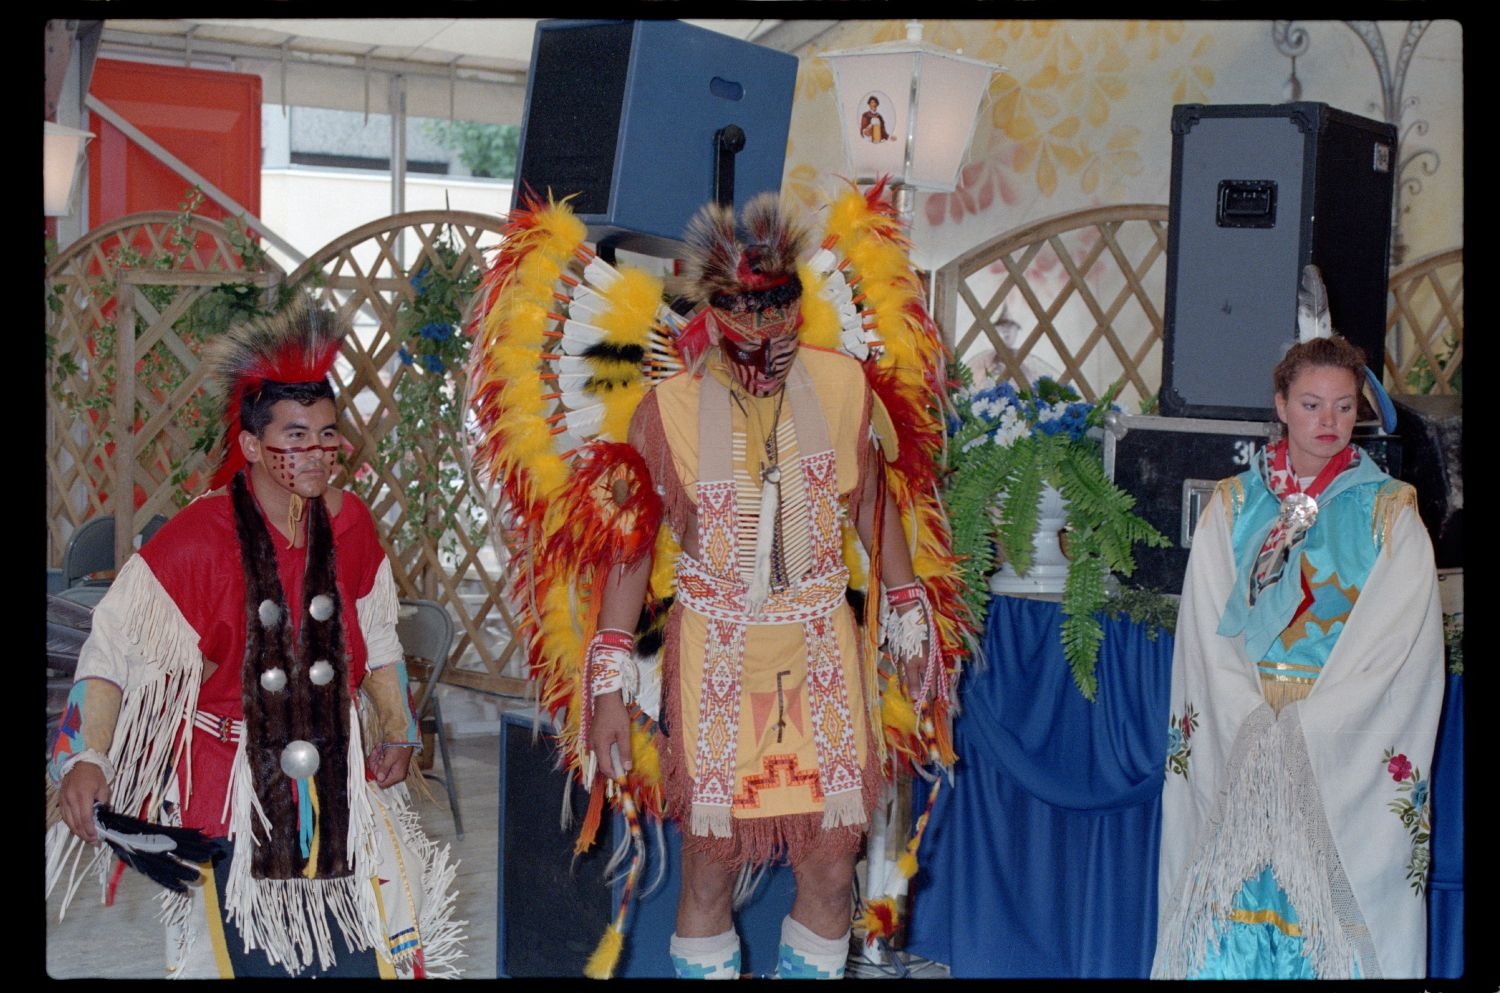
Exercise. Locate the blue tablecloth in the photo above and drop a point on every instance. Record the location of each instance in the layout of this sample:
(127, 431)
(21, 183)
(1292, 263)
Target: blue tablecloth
(1041, 859)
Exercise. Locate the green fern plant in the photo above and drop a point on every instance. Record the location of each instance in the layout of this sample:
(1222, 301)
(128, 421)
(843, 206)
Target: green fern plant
(1005, 446)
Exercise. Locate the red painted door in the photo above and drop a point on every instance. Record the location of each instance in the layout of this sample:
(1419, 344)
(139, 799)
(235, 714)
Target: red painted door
(208, 119)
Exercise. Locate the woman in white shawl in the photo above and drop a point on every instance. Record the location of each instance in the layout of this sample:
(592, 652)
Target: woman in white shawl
(1307, 683)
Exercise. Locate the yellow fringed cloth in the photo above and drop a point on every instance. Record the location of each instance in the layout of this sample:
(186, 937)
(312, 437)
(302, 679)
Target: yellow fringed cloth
(769, 740)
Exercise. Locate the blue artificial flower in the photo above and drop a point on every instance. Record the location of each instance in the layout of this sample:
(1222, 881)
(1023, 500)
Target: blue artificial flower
(433, 364)
(436, 330)
(405, 356)
(420, 278)
(1051, 427)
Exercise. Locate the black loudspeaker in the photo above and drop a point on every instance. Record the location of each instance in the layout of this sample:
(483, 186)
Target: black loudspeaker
(1258, 192)
(624, 113)
(552, 909)
(1432, 429)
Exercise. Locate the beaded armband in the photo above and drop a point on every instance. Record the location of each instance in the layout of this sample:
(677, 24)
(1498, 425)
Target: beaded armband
(907, 630)
(605, 665)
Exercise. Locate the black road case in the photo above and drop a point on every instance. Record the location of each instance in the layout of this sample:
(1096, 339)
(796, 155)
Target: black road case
(1171, 465)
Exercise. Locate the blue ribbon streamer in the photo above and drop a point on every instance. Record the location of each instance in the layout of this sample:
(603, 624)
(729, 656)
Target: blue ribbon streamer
(304, 814)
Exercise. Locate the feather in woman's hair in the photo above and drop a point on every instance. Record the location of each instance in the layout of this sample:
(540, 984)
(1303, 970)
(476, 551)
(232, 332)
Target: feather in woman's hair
(1313, 320)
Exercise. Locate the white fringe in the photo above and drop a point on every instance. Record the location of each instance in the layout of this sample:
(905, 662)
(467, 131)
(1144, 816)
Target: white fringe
(765, 538)
(285, 917)
(159, 695)
(710, 819)
(377, 612)
(905, 634)
(442, 936)
(1267, 814)
(845, 809)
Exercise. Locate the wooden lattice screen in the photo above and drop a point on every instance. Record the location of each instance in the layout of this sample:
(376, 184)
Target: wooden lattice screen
(123, 445)
(1081, 297)
(1077, 297)
(1424, 346)
(366, 275)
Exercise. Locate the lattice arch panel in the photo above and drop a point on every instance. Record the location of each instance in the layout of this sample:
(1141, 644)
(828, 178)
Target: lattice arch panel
(1080, 297)
(366, 275)
(125, 445)
(1424, 346)
(1077, 297)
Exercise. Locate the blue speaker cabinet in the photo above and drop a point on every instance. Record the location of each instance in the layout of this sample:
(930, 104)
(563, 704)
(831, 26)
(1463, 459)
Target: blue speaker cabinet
(1258, 192)
(623, 115)
(553, 909)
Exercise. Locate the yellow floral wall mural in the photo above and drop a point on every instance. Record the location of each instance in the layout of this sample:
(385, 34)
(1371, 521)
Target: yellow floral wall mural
(1080, 115)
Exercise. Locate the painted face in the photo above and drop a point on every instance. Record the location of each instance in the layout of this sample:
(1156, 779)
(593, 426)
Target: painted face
(1319, 410)
(297, 449)
(760, 347)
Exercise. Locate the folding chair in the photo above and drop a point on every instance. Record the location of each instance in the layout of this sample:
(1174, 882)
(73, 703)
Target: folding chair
(89, 559)
(426, 633)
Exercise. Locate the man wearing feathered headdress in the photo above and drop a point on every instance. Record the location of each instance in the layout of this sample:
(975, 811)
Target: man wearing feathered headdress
(760, 455)
(218, 692)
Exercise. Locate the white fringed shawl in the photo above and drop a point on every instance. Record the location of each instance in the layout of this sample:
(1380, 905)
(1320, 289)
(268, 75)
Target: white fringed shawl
(1307, 792)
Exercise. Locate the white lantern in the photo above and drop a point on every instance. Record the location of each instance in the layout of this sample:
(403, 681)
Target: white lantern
(908, 109)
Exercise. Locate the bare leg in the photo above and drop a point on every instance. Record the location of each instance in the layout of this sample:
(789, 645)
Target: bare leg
(815, 935)
(703, 905)
(824, 883)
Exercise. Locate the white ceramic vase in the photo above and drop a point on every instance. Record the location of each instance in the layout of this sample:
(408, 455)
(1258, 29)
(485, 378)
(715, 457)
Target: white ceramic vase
(1049, 566)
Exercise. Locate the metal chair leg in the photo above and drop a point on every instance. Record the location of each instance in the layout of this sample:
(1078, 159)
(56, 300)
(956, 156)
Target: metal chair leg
(448, 777)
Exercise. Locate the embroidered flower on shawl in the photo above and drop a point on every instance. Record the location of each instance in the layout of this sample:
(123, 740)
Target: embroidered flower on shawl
(1179, 748)
(1412, 807)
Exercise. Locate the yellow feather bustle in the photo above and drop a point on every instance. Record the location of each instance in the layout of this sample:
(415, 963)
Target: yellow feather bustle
(518, 331)
(820, 321)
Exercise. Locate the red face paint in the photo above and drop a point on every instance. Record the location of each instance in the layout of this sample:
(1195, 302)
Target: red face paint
(760, 347)
(299, 447)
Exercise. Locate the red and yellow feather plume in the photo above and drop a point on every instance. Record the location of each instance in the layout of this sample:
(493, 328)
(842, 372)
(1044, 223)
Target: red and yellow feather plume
(566, 347)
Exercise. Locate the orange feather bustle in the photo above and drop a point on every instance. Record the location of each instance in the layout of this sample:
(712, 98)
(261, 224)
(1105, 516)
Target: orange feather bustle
(614, 511)
(576, 512)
